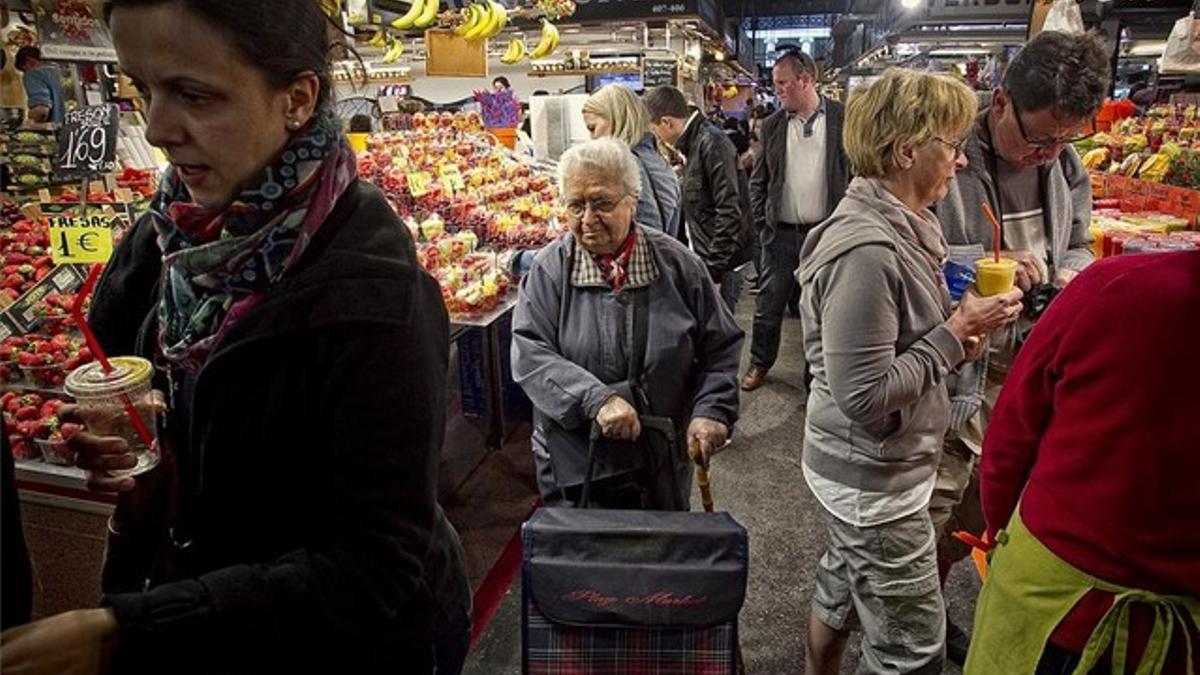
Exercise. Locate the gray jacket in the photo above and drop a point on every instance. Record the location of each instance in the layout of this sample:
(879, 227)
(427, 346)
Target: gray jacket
(571, 344)
(770, 168)
(1067, 191)
(1067, 194)
(658, 205)
(874, 318)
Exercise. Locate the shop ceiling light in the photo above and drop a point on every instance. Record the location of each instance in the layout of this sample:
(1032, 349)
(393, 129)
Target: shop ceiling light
(910, 4)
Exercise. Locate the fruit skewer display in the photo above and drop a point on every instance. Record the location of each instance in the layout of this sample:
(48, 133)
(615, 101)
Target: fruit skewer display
(465, 198)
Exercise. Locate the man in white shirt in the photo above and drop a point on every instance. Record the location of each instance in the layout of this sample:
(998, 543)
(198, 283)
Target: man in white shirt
(799, 178)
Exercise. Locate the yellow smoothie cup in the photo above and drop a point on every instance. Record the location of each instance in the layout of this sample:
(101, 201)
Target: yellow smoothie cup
(994, 277)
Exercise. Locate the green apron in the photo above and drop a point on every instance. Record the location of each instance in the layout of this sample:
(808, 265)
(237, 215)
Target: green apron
(1029, 591)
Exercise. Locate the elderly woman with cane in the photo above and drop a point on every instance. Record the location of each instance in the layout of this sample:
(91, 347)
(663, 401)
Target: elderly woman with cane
(587, 353)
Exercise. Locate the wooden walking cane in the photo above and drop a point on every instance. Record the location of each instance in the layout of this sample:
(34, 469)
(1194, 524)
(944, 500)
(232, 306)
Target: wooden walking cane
(706, 498)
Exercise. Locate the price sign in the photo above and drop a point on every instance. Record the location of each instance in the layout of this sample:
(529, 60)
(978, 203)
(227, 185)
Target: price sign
(87, 143)
(452, 177)
(657, 72)
(418, 183)
(23, 313)
(91, 243)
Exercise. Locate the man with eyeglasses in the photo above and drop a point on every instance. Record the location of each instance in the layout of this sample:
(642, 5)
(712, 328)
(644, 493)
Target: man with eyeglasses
(798, 180)
(1020, 163)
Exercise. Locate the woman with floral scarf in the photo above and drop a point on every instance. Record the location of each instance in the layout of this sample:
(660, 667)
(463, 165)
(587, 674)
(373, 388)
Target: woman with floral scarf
(292, 525)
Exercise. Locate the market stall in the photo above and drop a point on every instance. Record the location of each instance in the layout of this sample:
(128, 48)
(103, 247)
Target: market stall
(1145, 179)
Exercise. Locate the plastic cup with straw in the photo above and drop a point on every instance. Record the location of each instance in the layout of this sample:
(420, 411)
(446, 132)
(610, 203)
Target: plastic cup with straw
(106, 390)
(994, 275)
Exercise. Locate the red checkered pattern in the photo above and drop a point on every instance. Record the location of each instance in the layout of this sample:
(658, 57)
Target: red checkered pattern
(558, 649)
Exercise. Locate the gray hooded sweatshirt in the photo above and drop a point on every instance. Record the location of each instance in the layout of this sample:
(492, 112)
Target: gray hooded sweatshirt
(874, 315)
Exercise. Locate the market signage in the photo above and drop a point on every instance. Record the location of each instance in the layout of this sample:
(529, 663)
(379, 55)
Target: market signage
(634, 9)
(72, 30)
(658, 71)
(972, 9)
(87, 143)
(23, 313)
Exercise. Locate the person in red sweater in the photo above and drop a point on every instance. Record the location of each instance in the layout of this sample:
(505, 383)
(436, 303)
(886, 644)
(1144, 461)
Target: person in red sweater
(1089, 480)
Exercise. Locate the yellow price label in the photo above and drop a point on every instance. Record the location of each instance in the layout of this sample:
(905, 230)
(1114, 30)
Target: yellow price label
(451, 176)
(80, 244)
(418, 183)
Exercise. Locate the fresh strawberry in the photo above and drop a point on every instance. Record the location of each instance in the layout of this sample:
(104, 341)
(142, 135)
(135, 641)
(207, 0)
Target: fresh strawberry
(62, 341)
(28, 359)
(34, 400)
(17, 258)
(4, 399)
(23, 450)
(85, 354)
(13, 405)
(43, 261)
(12, 281)
(58, 357)
(47, 348)
(10, 293)
(41, 273)
(50, 408)
(69, 429)
(39, 429)
(28, 412)
(6, 353)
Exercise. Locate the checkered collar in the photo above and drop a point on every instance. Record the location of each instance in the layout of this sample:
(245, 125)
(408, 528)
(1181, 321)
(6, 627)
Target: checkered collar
(642, 270)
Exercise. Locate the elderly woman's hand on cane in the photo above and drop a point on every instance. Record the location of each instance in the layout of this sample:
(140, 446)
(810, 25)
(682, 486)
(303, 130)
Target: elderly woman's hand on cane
(708, 435)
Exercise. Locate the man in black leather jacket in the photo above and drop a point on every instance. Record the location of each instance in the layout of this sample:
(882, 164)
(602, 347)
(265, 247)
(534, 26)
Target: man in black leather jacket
(716, 199)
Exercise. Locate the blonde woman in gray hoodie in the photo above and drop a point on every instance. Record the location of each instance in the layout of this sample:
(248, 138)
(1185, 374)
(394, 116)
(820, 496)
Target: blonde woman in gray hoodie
(882, 335)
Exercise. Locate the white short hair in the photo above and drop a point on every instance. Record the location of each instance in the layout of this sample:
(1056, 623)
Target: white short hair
(603, 157)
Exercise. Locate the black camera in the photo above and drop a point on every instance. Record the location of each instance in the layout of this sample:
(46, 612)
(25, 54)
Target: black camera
(1038, 299)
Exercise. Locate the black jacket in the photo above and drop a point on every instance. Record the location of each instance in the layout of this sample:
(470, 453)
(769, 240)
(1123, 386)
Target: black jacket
(716, 200)
(770, 168)
(307, 451)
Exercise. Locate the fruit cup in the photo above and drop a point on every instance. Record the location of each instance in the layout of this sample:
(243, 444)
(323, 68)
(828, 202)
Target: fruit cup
(101, 401)
(994, 277)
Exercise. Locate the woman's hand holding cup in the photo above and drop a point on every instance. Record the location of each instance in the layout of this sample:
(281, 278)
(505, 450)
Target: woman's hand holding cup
(977, 315)
(101, 452)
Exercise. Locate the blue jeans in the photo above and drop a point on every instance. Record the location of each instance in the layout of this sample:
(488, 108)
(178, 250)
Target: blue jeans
(781, 257)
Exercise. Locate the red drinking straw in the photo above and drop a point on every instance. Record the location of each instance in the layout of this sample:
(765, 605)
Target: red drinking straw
(94, 346)
(987, 208)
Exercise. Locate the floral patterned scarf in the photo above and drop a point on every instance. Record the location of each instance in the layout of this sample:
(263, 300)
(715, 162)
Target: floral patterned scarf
(217, 265)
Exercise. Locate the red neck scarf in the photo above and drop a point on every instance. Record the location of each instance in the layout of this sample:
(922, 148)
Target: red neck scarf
(614, 266)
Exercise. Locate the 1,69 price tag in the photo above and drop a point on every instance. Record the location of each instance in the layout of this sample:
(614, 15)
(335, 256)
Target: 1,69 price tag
(79, 240)
(87, 143)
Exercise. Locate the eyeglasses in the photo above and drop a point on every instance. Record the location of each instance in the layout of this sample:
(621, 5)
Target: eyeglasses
(1088, 131)
(601, 206)
(959, 148)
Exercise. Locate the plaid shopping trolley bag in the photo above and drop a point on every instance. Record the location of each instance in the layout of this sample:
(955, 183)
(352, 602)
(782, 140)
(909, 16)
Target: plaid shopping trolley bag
(613, 592)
